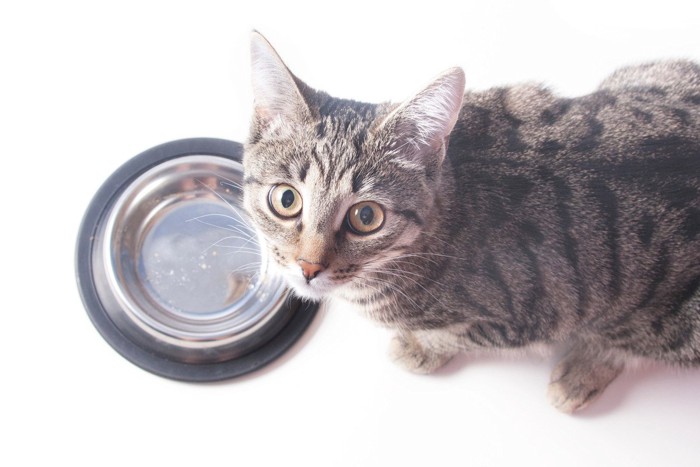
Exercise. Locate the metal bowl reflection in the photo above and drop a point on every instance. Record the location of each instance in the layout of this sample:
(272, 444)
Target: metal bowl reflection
(170, 265)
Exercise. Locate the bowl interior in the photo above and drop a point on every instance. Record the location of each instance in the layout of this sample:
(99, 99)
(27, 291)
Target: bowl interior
(182, 266)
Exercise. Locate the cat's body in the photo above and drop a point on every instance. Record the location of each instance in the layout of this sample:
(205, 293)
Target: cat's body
(509, 217)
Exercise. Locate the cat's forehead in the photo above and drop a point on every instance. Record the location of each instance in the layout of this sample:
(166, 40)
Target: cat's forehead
(334, 156)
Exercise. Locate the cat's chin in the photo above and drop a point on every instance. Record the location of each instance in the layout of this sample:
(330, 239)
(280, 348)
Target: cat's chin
(315, 290)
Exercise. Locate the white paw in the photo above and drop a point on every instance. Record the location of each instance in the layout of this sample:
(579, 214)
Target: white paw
(409, 354)
(578, 380)
(567, 401)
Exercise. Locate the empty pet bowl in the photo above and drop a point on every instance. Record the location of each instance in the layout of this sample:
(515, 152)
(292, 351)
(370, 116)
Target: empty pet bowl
(173, 275)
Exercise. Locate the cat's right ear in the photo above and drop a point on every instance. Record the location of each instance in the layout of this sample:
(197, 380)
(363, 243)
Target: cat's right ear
(278, 98)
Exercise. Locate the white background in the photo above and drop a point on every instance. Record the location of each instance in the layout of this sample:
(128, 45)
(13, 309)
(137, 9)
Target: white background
(86, 85)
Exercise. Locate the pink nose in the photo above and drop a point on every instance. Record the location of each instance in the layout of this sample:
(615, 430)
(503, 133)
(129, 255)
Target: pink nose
(310, 270)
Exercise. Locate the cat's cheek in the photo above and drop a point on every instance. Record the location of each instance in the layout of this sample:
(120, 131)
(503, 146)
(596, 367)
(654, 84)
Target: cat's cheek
(274, 261)
(408, 236)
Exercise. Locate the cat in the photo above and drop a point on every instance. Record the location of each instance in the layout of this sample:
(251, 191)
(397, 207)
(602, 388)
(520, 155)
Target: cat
(496, 219)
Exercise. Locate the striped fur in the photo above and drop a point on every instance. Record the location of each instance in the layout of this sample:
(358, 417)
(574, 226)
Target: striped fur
(545, 219)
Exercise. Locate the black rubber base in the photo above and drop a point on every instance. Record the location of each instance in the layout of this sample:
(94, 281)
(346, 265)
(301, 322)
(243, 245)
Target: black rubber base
(96, 214)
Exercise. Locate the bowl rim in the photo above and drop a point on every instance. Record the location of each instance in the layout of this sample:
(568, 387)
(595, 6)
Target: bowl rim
(303, 312)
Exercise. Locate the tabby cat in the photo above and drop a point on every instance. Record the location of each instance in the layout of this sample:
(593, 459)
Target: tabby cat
(494, 219)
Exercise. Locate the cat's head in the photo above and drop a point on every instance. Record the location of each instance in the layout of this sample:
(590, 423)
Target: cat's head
(337, 187)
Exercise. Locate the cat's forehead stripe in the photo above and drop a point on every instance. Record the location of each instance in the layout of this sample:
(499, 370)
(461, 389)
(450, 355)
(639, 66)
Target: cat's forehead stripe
(357, 181)
(318, 163)
(303, 170)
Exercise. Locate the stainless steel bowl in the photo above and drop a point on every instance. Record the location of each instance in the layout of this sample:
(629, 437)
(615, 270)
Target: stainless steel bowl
(172, 272)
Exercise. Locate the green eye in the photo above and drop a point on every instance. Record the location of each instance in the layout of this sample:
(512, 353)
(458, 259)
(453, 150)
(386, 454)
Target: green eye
(365, 218)
(284, 201)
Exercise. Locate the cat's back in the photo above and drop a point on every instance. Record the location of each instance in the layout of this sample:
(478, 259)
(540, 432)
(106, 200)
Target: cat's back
(634, 110)
(656, 103)
(679, 78)
(602, 189)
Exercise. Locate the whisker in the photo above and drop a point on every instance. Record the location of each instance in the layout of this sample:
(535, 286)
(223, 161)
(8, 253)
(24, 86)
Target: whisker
(402, 271)
(233, 209)
(240, 248)
(399, 276)
(220, 244)
(391, 301)
(232, 237)
(228, 181)
(392, 287)
(439, 255)
(405, 256)
(246, 267)
(229, 227)
(247, 251)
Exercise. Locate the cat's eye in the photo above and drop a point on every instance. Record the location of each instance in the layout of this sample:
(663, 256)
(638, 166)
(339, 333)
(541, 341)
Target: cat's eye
(285, 201)
(365, 218)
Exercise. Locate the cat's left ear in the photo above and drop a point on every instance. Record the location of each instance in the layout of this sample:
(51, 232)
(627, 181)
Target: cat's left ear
(419, 128)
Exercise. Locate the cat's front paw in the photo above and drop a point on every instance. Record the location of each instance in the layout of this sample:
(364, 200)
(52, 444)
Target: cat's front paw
(407, 352)
(579, 379)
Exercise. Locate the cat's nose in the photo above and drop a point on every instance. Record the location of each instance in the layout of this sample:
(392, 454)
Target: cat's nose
(310, 270)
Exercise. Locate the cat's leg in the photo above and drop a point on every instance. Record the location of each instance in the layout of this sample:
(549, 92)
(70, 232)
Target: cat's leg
(582, 375)
(423, 351)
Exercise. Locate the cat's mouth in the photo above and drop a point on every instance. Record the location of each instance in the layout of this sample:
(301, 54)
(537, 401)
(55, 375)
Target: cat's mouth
(315, 289)
(321, 286)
